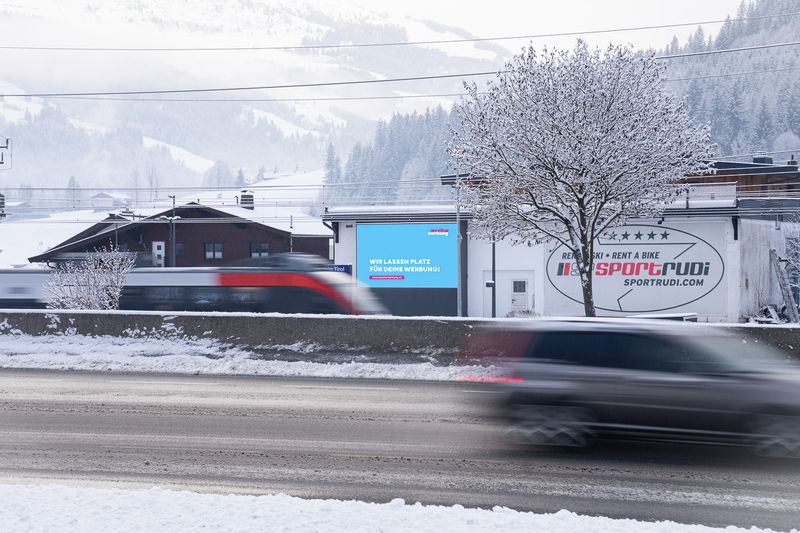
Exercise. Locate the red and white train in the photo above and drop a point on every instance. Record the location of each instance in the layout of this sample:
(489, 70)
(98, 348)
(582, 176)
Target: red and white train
(273, 289)
(247, 289)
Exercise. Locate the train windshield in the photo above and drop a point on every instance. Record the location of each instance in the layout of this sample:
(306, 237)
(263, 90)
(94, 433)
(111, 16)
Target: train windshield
(362, 298)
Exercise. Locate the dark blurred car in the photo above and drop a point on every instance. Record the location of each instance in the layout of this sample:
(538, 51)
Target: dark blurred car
(572, 381)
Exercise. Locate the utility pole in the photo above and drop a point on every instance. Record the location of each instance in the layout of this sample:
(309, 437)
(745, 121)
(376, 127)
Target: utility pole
(458, 246)
(172, 243)
(494, 279)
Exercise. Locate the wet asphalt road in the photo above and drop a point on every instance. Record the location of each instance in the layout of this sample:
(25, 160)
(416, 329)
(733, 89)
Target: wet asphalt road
(366, 439)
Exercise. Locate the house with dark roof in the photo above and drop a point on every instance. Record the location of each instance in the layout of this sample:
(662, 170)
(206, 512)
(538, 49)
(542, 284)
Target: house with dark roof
(203, 236)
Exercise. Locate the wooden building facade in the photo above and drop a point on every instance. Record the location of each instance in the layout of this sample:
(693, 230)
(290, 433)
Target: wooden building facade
(204, 236)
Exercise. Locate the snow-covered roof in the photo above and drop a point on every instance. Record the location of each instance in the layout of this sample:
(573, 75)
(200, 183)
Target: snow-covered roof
(416, 208)
(395, 213)
(22, 239)
(115, 195)
(281, 202)
(281, 218)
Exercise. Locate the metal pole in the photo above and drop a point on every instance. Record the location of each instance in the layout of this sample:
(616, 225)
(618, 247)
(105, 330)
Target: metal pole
(173, 244)
(458, 245)
(494, 281)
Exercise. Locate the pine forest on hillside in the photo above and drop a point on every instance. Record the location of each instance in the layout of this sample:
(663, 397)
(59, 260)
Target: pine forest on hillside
(747, 113)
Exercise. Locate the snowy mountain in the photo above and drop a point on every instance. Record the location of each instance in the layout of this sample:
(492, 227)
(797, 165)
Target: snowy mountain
(124, 142)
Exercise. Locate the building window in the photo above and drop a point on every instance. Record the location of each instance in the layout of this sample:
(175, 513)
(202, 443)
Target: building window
(259, 249)
(178, 249)
(520, 286)
(213, 250)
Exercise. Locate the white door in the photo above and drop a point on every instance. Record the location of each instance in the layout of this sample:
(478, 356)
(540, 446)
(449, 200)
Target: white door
(158, 253)
(519, 295)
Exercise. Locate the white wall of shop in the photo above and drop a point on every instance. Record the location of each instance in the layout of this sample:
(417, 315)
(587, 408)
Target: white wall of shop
(519, 279)
(344, 251)
(527, 283)
(669, 246)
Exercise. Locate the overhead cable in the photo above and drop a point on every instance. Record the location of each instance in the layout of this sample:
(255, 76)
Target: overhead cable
(387, 44)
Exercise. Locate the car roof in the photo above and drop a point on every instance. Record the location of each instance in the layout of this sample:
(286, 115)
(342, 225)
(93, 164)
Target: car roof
(581, 324)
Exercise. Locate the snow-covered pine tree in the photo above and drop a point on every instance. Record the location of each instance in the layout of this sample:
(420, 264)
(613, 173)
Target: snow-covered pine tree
(262, 174)
(569, 144)
(74, 193)
(240, 181)
(333, 176)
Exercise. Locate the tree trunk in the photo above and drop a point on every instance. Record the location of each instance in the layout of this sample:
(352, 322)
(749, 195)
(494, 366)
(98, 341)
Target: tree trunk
(588, 295)
(587, 286)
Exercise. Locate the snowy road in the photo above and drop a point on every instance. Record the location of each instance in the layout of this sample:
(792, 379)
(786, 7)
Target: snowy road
(372, 440)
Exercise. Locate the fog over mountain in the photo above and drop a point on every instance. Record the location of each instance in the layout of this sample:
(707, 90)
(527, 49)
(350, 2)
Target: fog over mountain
(149, 140)
(125, 143)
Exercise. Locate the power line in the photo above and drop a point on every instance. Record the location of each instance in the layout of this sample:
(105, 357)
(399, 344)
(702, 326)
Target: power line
(383, 97)
(729, 50)
(748, 73)
(354, 82)
(387, 44)
(250, 88)
(322, 99)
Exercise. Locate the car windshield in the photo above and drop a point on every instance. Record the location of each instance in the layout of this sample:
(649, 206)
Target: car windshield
(741, 354)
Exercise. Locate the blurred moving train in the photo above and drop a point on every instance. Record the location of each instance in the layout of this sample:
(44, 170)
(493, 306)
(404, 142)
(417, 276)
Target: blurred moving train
(278, 284)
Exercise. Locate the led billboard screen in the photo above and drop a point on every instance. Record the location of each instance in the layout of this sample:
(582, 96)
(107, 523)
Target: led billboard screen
(407, 255)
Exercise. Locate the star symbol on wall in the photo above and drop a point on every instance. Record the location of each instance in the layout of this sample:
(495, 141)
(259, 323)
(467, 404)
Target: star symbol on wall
(638, 235)
(651, 235)
(664, 235)
(613, 237)
(625, 236)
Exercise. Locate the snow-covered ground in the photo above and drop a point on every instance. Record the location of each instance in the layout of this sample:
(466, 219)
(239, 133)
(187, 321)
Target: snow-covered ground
(47, 508)
(203, 356)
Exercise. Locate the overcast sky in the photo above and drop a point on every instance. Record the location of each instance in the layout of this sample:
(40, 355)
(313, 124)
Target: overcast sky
(512, 17)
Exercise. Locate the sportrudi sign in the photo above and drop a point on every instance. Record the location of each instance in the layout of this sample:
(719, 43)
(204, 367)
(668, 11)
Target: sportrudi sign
(647, 268)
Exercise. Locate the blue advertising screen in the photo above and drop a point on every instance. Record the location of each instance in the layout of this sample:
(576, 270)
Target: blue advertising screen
(407, 255)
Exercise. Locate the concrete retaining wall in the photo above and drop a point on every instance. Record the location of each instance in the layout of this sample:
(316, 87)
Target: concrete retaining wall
(304, 333)
(299, 333)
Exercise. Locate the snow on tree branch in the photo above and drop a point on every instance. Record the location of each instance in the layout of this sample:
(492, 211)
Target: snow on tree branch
(569, 143)
(95, 282)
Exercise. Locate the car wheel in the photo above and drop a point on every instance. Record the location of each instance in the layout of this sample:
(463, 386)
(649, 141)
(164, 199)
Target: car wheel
(551, 425)
(775, 436)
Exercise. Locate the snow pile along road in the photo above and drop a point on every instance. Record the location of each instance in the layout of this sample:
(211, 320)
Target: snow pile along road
(30, 508)
(200, 356)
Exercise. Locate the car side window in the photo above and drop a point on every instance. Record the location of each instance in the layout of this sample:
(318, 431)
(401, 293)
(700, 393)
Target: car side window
(609, 349)
(652, 354)
(660, 354)
(581, 348)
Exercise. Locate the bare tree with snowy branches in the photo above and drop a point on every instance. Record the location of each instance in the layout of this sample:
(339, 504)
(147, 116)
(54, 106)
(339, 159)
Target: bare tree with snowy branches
(567, 144)
(95, 282)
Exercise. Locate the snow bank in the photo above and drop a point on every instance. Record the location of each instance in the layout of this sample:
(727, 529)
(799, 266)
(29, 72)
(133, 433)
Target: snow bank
(201, 356)
(45, 508)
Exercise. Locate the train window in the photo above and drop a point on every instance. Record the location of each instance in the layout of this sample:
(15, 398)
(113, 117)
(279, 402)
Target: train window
(164, 294)
(213, 250)
(207, 296)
